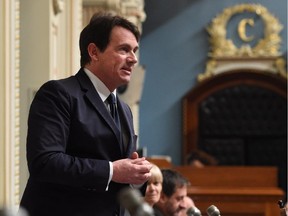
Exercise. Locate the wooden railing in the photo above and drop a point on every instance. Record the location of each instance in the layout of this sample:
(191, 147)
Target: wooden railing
(235, 190)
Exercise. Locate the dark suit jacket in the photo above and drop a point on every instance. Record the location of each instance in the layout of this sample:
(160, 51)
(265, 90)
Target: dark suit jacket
(157, 212)
(71, 137)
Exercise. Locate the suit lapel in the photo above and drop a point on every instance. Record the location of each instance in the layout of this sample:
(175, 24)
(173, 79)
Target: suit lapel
(94, 98)
(128, 128)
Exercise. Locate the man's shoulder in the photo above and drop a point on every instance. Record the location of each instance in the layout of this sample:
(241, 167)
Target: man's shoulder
(68, 82)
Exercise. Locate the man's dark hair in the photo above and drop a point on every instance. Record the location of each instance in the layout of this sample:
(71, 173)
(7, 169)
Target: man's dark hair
(98, 31)
(171, 181)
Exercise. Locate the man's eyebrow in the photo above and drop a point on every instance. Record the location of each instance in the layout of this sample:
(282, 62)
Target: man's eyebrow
(128, 45)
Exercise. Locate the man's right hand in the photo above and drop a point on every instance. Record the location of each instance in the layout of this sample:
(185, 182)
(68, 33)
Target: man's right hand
(132, 170)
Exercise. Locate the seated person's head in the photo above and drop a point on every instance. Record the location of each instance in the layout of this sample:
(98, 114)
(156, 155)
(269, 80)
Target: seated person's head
(174, 190)
(189, 203)
(154, 186)
(283, 208)
(200, 159)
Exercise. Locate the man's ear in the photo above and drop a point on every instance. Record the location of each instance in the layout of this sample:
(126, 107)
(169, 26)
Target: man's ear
(93, 51)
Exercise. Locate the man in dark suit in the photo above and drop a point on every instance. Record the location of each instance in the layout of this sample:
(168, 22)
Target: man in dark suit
(78, 157)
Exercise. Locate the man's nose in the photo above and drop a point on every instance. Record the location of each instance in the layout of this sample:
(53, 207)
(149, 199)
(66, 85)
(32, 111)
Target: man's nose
(182, 204)
(132, 58)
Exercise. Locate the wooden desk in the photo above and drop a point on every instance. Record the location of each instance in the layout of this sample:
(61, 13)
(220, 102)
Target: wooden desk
(236, 191)
(238, 201)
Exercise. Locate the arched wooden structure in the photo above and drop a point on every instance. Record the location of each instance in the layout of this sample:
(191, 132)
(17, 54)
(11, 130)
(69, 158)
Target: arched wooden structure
(239, 117)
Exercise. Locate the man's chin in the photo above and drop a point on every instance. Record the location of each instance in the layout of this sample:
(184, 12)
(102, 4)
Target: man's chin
(126, 80)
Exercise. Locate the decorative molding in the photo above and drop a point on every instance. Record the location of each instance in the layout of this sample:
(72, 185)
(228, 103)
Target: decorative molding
(16, 118)
(11, 175)
(274, 65)
(76, 27)
(265, 54)
(131, 9)
(58, 6)
(64, 31)
(223, 47)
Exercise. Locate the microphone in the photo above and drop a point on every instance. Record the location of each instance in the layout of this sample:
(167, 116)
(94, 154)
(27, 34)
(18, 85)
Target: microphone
(193, 211)
(132, 200)
(13, 212)
(213, 211)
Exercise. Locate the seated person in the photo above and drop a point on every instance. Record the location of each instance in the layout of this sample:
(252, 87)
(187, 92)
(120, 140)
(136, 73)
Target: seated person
(283, 208)
(198, 158)
(174, 190)
(154, 186)
(152, 194)
(189, 203)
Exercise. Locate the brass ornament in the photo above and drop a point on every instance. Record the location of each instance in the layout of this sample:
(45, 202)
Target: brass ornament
(210, 67)
(224, 53)
(280, 64)
(223, 47)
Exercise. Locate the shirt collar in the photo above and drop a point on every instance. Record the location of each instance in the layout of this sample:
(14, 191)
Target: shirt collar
(100, 87)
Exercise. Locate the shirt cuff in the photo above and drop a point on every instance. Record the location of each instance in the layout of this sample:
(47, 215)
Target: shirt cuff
(110, 175)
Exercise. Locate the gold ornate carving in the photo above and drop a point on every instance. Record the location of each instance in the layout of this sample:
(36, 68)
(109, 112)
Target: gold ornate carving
(210, 67)
(225, 55)
(280, 64)
(223, 47)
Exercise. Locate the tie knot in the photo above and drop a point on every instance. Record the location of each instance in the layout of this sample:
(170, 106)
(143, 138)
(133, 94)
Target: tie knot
(111, 99)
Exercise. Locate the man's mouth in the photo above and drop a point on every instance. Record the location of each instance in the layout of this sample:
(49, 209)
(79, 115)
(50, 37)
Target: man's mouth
(129, 70)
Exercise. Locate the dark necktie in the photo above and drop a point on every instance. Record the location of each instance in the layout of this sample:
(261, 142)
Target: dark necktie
(114, 113)
(113, 109)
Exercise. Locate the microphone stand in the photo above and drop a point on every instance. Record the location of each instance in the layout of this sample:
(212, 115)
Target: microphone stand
(193, 211)
(132, 200)
(213, 211)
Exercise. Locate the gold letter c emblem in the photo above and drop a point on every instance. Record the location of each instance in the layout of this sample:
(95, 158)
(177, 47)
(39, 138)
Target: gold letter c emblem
(242, 29)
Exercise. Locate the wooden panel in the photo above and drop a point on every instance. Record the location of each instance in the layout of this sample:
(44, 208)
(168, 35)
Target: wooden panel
(230, 176)
(238, 201)
(251, 148)
(236, 191)
(191, 101)
(160, 162)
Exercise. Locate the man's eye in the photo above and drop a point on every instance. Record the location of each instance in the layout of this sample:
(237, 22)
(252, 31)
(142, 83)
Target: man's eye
(124, 49)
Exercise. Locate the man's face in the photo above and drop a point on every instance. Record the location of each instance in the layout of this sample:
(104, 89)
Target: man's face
(175, 204)
(118, 59)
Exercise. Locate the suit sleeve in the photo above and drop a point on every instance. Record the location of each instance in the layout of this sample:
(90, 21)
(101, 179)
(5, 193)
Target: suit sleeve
(47, 139)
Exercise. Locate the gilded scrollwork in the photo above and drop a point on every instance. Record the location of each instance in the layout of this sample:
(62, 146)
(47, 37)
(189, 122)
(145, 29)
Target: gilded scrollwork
(225, 54)
(210, 66)
(280, 64)
(223, 47)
